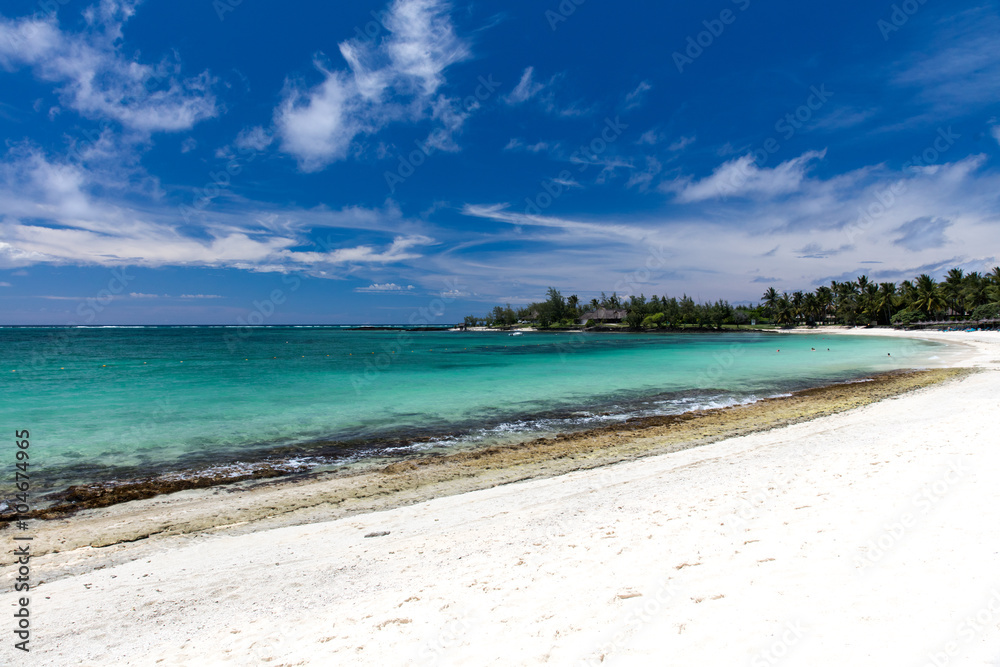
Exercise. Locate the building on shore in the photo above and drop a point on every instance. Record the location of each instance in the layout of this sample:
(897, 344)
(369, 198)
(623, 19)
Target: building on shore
(604, 316)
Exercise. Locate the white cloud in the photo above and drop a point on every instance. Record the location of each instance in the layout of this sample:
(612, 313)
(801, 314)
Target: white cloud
(525, 89)
(938, 218)
(743, 178)
(395, 79)
(643, 179)
(5, 284)
(995, 131)
(201, 296)
(60, 213)
(650, 137)
(253, 139)
(528, 89)
(602, 230)
(956, 69)
(636, 97)
(96, 79)
(516, 144)
(398, 250)
(681, 143)
(384, 287)
(566, 182)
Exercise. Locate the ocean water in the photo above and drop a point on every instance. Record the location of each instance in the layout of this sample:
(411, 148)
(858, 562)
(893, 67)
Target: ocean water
(106, 404)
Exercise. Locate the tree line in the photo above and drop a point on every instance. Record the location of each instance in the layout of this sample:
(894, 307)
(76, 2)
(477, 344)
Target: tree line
(960, 296)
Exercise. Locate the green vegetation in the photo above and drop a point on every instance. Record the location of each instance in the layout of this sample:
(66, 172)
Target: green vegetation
(959, 296)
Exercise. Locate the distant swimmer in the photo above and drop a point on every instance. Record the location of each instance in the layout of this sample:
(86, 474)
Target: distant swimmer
(888, 354)
(813, 349)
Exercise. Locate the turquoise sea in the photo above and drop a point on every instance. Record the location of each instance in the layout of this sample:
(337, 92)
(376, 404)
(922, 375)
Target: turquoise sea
(105, 404)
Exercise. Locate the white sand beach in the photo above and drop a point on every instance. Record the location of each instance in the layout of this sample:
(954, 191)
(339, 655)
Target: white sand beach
(870, 537)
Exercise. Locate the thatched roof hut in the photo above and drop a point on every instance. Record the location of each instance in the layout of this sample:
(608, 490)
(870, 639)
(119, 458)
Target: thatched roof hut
(603, 315)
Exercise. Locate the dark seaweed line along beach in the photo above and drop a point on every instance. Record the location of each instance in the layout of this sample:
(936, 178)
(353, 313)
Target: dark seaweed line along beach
(270, 496)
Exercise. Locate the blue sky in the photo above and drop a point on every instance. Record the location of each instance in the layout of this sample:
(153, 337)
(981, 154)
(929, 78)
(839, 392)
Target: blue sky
(224, 162)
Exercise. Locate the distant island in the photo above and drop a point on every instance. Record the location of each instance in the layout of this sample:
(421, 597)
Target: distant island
(960, 297)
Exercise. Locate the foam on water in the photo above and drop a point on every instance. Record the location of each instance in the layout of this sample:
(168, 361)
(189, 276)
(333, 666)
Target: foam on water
(106, 403)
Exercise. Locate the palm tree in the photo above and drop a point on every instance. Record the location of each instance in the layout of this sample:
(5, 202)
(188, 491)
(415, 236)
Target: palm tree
(810, 308)
(784, 311)
(951, 291)
(770, 300)
(824, 299)
(927, 296)
(885, 301)
(846, 302)
(797, 304)
(869, 302)
(974, 291)
(907, 293)
(993, 294)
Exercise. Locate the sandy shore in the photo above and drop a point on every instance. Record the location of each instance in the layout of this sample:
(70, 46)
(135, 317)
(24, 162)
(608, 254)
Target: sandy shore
(866, 536)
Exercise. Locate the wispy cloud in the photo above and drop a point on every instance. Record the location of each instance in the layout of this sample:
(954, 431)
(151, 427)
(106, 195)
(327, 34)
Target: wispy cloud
(525, 89)
(743, 178)
(384, 287)
(97, 80)
(56, 212)
(729, 247)
(922, 233)
(681, 143)
(959, 69)
(635, 97)
(396, 79)
(643, 178)
(516, 144)
(651, 137)
(502, 213)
